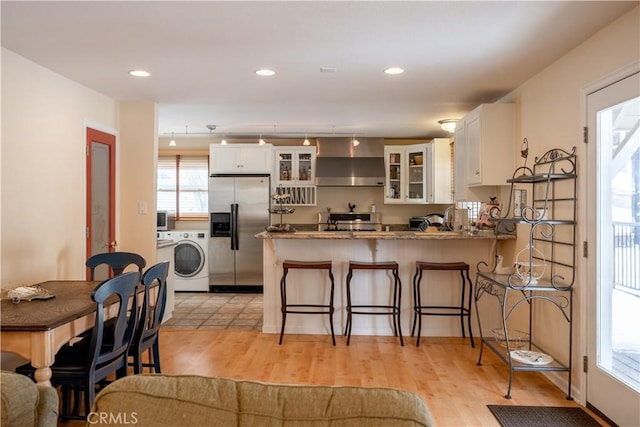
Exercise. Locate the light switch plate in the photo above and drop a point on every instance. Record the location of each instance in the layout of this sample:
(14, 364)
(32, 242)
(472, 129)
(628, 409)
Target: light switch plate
(142, 207)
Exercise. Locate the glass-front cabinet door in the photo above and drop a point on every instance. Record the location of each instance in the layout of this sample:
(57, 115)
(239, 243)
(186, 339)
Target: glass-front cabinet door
(295, 166)
(406, 173)
(416, 159)
(305, 166)
(393, 158)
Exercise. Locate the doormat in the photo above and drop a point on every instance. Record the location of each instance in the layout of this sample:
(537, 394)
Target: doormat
(543, 416)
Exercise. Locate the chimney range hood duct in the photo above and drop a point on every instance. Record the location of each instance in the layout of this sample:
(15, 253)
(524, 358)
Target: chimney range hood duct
(340, 164)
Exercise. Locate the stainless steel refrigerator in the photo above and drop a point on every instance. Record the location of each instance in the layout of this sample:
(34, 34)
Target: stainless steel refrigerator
(238, 210)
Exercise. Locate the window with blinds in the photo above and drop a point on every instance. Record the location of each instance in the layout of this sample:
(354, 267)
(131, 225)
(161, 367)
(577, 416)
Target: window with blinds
(183, 186)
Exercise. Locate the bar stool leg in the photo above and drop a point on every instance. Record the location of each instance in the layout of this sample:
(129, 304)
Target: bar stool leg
(347, 329)
(464, 285)
(418, 305)
(469, 308)
(397, 290)
(331, 309)
(283, 300)
(416, 300)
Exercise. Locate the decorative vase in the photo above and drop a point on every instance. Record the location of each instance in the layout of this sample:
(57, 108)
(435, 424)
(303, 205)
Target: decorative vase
(530, 265)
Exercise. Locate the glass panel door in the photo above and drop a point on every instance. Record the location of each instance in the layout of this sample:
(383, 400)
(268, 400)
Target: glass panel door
(613, 377)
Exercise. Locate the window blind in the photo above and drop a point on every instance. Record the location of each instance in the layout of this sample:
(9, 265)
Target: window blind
(183, 185)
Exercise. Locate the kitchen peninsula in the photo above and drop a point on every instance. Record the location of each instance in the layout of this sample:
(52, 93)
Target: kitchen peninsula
(405, 247)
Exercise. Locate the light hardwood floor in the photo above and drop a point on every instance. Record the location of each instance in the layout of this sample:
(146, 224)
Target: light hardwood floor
(442, 371)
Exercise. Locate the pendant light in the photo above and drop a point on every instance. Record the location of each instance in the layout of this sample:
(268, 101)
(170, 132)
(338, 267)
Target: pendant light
(224, 141)
(354, 141)
(306, 141)
(172, 143)
(261, 141)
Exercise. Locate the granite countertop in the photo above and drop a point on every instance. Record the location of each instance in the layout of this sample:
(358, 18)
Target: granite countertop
(383, 235)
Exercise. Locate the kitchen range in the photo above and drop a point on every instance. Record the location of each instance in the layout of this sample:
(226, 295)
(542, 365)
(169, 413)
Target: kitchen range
(349, 221)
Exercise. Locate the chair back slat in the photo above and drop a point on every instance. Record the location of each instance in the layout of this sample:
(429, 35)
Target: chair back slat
(117, 262)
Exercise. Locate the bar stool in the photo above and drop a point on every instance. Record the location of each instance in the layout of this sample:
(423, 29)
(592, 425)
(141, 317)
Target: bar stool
(304, 308)
(420, 310)
(393, 310)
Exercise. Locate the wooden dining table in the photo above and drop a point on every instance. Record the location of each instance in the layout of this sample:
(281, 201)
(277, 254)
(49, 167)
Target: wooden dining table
(37, 329)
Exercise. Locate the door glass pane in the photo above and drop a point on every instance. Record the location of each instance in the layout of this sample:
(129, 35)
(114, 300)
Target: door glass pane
(394, 175)
(100, 204)
(619, 240)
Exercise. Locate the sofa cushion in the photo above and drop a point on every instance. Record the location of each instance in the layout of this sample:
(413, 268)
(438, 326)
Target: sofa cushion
(26, 404)
(164, 400)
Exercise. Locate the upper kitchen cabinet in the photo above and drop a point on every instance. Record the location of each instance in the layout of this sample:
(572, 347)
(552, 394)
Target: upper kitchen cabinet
(419, 173)
(487, 143)
(438, 164)
(295, 166)
(240, 158)
(459, 163)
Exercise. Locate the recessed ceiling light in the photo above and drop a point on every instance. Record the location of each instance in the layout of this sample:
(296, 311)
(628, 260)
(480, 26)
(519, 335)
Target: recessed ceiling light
(265, 72)
(139, 73)
(393, 70)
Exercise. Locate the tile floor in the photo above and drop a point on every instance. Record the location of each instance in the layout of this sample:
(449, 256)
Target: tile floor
(197, 310)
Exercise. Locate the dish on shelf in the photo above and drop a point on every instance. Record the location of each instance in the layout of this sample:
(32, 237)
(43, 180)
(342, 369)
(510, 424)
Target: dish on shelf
(517, 339)
(283, 196)
(282, 210)
(531, 357)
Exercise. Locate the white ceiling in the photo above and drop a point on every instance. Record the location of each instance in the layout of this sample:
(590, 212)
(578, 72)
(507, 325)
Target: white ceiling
(202, 56)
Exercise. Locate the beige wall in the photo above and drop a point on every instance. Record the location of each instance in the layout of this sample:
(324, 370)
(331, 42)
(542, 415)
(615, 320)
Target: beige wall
(138, 154)
(551, 116)
(43, 170)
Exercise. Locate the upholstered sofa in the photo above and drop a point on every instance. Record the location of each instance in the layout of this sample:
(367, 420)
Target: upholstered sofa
(26, 404)
(189, 400)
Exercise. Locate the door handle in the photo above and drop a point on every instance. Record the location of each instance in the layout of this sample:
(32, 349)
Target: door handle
(234, 227)
(113, 244)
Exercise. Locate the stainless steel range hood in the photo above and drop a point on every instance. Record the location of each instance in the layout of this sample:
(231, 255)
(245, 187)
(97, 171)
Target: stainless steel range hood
(340, 163)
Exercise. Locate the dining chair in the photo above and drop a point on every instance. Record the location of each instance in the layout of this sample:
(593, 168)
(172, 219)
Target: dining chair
(146, 335)
(117, 262)
(83, 368)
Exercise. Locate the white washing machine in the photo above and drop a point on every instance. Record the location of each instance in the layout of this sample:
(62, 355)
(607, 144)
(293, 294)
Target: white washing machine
(191, 260)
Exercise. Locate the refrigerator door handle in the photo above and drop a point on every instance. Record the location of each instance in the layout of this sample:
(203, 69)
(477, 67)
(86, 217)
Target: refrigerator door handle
(234, 227)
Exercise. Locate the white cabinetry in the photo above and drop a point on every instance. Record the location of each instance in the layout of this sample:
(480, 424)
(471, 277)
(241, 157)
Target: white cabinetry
(295, 166)
(438, 164)
(460, 162)
(489, 144)
(418, 173)
(240, 158)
